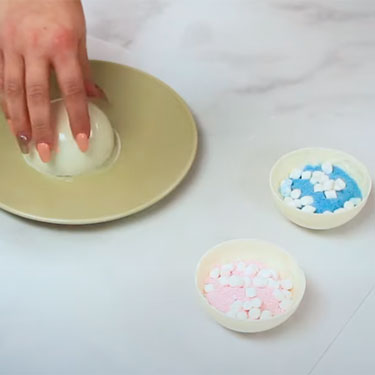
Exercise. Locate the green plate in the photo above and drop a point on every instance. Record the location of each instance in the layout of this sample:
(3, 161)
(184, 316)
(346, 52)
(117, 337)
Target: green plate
(158, 146)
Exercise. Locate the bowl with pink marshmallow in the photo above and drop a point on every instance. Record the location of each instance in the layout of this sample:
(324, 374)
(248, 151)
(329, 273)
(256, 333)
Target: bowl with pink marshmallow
(249, 285)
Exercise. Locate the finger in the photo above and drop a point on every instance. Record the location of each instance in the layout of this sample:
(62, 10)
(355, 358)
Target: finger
(92, 89)
(2, 97)
(70, 79)
(14, 90)
(38, 102)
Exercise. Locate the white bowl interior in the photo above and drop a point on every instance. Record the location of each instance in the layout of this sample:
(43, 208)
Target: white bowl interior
(247, 249)
(302, 157)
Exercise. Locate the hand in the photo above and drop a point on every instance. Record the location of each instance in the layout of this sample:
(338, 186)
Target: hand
(35, 36)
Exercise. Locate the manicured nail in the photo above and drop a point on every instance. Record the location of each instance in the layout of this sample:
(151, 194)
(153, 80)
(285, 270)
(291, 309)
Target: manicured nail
(44, 152)
(82, 142)
(23, 142)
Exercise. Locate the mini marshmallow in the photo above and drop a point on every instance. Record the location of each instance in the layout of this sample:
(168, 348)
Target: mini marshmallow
(246, 281)
(278, 294)
(266, 273)
(273, 284)
(288, 200)
(327, 212)
(241, 315)
(318, 188)
(224, 280)
(306, 175)
(235, 280)
(208, 288)
(316, 177)
(285, 191)
(339, 210)
(349, 205)
(287, 182)
(327, 167)
(295, 174)
(297, 203)
(254, 313)
(296, 193)
(309, 209)
(330, 194)
(215, 273)
(324, 179)
(287, 293)
(307, 200)
(340, 184)
(356, 201)
(231, 314)
(236, 306)
(260, 282)
(286, 284)
(240, 266)
(285, 304)
(266, 315)
(226, 269)
(251, 270)
(328, 185)
(251, 292)
(256, 302)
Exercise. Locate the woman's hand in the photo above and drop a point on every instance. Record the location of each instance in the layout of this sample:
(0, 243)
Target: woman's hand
(35, 36)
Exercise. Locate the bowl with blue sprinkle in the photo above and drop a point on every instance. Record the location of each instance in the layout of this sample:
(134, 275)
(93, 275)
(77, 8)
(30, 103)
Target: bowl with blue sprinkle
(320, 188)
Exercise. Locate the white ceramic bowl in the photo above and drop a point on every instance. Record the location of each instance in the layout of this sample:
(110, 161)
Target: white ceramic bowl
(249, 249)
(302, 157)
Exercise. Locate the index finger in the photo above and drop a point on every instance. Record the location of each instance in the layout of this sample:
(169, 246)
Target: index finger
(70, 79)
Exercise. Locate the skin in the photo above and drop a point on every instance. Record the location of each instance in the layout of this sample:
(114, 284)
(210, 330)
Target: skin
(35, 37)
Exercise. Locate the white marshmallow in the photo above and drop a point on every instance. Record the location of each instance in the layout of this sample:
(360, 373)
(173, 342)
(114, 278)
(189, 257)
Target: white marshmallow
(274, 284)
(236, 306)
(256, 302)
(254, 313)
(286, 284)
(246, 281)
(247, 305)
(266, 315)
(285, 304)
(208, 288)
(215, 273)
(287, 182)
(297, 203)
(339, 210)
(316, 177)
(266, 273)
(309, 209)
(235, 280)
(330, 194)
(278, 294)
(307, 200)
(241, 315)
(296, 193)
(227, 267)
(324, 179)
(251, 270)
(340, 184)
(328, 185)
(356, 201)
(327, 167)
(306, 175)
(240, 266)
(251, 292)
(348, 205)
(318, 188)
(327, 212)
(224, 280)
(295, 174)
(287, 293)
(260, 282)
(289, 201)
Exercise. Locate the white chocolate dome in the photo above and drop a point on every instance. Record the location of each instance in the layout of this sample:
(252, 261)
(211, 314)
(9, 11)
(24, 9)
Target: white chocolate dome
(67, 159)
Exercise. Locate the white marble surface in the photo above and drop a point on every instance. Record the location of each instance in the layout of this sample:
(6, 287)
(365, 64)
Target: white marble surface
(263, 78)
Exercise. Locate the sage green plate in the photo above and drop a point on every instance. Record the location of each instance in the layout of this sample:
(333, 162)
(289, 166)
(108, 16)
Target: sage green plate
(158, 146)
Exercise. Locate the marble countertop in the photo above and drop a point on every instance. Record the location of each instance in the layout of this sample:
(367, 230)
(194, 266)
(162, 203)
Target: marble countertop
(262, 78)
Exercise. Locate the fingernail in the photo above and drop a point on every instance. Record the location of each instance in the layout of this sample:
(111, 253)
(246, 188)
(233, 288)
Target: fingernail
(82, 142)
(44, 152)
(94, 91)
(23, 142)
